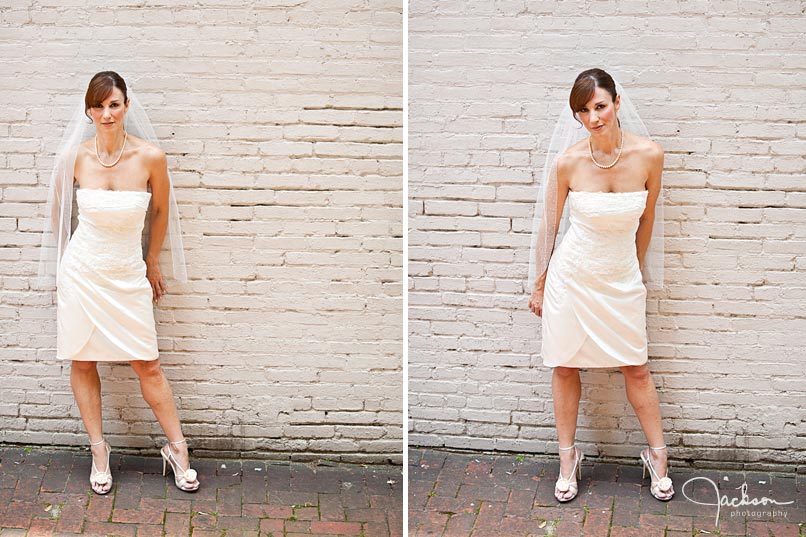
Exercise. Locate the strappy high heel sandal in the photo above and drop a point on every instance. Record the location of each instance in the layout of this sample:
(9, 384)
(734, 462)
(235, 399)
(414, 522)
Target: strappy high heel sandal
(564, 485)
(660, 487)
(183, 479)
(98, 478)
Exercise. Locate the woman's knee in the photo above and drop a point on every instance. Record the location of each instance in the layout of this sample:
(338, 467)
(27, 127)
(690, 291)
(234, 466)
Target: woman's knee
(566, 372)
(80, 366)
(147, 370)
(637, 373)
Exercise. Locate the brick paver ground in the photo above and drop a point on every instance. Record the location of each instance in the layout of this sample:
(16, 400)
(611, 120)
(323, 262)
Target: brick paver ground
(480, 495)
(47, 493)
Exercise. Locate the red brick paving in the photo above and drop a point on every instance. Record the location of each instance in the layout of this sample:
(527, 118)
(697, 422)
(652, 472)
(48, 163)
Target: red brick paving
(44, 493)
(479, 495)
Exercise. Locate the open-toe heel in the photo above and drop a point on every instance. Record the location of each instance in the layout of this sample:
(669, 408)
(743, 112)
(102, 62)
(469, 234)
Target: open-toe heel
(659, 487)
(566, 485)
(183, 479)
(98, 478)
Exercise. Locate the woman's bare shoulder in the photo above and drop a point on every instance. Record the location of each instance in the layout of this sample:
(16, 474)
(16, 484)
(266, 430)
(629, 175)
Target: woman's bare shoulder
(644, 146)
(572, 155)
(78, 152)
(86, 145)
(147, 148)
(577, 151)
(148, 152)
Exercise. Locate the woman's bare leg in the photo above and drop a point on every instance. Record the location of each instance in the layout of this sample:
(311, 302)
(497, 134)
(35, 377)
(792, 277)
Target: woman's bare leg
(157, 393)
(566, 389)
(643, 397)
(86, 386)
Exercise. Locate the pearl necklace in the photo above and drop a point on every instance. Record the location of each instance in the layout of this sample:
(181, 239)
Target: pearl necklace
(604, 167)
(125, 136)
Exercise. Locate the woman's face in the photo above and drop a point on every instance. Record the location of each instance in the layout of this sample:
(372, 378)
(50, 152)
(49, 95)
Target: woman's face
(599, 114)
(108, 115)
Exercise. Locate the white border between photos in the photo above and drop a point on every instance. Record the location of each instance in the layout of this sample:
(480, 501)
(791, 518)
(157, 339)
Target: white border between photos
(405, 278)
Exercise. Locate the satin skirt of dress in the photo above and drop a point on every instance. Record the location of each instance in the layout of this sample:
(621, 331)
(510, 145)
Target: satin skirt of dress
(104, 308)
(594, 325)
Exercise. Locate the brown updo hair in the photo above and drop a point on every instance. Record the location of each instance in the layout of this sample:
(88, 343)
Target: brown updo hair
(101, 87)
(585, 85)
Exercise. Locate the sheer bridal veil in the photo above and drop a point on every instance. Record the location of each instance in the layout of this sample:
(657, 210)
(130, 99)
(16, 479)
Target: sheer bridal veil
(59, 208)
(545, 230)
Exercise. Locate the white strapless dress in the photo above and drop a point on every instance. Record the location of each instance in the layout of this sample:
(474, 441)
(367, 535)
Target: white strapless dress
(594, 302)
(104, 309)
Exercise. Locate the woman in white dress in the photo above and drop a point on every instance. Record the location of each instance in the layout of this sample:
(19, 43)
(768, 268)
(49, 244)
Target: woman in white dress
(591, 295)
(105, 289)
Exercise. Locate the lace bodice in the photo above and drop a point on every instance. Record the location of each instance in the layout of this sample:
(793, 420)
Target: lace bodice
(110, 226)
(601, 237)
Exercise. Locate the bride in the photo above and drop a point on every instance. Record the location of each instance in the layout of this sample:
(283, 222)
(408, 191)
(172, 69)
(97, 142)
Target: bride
(589, 291)
(105, 289)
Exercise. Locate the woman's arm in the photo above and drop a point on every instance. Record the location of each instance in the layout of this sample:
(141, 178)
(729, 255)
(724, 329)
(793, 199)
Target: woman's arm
(62, 180)
(647, 220)
(562, 194)
(547, 237)
(158, 224)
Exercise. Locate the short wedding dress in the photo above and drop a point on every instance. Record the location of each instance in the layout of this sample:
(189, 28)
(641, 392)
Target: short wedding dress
(594, 301)
(104, 309)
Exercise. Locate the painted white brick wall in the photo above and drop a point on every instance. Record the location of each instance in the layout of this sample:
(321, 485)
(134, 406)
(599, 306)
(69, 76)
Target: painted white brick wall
(283, 126)
(721, 86)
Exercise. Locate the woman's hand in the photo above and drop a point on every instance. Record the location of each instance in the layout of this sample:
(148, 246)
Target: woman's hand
(154, 275)
(536, 302)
